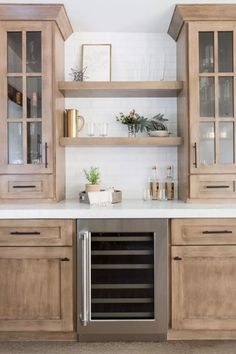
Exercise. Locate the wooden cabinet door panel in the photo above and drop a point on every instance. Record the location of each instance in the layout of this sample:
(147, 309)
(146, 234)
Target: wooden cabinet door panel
(36, 289)
(204, 287)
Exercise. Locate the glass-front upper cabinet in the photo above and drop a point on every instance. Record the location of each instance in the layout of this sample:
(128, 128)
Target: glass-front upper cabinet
(212, 99)
(27, 119)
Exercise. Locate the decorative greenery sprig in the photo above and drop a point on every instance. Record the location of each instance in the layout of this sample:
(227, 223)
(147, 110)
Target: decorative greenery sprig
(156, 123)
(78, 75)
(92, 175)
(141, 123)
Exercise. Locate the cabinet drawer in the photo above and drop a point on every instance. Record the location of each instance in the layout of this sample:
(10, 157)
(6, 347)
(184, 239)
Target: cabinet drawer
(213, 186)
(26, 186)
(36, 232)
(203, 231)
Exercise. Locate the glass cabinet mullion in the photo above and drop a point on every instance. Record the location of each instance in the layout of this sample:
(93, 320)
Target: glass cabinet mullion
(217, 147)
(216, 127)
(234, 99)
(216, 67)
(24, 52)
(25, 141)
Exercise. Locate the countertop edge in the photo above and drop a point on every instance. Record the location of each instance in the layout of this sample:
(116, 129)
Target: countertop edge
(130, 209)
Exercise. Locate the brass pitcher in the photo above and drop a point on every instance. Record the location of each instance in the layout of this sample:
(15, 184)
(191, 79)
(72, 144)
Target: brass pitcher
(73, 123)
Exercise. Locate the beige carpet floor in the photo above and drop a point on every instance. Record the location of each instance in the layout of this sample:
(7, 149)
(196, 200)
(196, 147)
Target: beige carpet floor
(200, 347)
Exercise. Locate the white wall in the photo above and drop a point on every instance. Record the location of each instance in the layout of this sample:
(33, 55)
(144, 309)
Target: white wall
(135, 56)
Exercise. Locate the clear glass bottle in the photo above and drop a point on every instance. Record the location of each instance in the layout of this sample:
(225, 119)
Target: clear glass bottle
(170, 184)
(154, 184)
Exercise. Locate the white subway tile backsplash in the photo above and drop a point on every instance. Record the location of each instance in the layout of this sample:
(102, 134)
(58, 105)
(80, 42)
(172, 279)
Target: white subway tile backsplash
(135, 56)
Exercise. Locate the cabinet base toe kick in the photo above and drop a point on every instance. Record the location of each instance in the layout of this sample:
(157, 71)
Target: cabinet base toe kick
(37, 336)
(200, 335)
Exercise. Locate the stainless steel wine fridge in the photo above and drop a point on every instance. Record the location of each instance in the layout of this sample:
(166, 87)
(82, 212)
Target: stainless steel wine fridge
(122, 279)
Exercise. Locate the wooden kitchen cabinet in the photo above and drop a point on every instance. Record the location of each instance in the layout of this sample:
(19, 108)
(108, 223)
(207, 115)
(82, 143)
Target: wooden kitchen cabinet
(203, 287)
(32, 46)
(36, 289)
(37, 279)
(206, 62)
(203, 279)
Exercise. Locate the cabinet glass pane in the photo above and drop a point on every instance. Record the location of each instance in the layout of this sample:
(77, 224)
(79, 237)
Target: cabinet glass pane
(225, 51)
(34, 100)
(226, 142)
(15, 97)
(206, 52)
(226, 105)
(34, 143)
(33, 52)
(14, 52)
(207, 96)
(15, 143)
(207, 143)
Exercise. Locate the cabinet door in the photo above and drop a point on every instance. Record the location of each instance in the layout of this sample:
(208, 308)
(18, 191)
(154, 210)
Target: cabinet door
(26, 97)
(36, 289)
(204, 287)
(212, 71)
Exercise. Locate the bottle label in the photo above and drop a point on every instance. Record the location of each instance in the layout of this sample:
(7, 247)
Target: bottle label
(170, 190)
(154, 190)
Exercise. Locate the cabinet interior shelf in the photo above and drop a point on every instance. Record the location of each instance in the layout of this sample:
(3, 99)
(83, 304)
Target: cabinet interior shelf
(119, 141)
(120, 88)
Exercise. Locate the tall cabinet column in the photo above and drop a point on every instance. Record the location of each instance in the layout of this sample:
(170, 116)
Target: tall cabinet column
(206, 62)
(31, 115)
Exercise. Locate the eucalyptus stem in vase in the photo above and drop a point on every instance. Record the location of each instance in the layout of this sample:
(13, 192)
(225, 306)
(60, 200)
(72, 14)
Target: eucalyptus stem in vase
(137, 123)
(131, 120)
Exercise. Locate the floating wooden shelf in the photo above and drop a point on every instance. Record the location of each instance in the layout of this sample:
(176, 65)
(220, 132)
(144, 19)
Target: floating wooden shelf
(120, 88)
(119, 141)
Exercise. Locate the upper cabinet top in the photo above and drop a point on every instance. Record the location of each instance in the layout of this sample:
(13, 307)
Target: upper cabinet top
(38, 12)
(200, 12)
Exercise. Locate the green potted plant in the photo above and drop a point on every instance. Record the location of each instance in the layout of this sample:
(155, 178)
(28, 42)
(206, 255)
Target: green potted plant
(93, 177)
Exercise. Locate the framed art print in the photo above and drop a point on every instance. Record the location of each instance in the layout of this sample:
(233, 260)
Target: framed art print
(96, 58)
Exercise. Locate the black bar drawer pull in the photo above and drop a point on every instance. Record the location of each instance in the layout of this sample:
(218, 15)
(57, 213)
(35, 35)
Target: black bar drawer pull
(25, 233)
(212, 187)
(217, 232)
(177, 258)
(65, 259)
(28, 186)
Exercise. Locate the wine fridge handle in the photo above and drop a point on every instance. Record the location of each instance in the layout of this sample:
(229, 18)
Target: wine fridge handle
(84, 314)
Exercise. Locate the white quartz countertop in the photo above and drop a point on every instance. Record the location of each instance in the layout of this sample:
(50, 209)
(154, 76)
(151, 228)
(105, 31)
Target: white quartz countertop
(72, 209)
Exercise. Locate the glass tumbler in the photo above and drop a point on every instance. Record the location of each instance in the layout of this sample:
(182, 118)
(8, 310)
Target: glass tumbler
(103, 129)
(90, 128)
